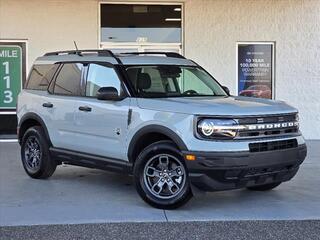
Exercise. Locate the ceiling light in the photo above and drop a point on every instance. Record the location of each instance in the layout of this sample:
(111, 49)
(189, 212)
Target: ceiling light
(173, 19)
(177, 9)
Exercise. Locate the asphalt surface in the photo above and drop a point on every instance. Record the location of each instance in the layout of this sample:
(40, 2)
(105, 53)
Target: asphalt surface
(81, 203)
(255, 230)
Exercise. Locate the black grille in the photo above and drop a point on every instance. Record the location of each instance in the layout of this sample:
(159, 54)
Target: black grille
(268, 119)
(272, 119)
(266, 133)
(272, 146)
(261, 171)
(253, 172)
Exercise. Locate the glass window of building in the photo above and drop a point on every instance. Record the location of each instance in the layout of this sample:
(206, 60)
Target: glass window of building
(140, 23)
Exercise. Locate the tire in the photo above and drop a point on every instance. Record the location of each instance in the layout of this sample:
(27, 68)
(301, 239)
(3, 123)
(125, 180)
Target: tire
(35, 154)
(264, 187)
(161, 176)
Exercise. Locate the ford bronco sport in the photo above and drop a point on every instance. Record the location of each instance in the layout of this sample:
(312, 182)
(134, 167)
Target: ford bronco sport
(157, 116)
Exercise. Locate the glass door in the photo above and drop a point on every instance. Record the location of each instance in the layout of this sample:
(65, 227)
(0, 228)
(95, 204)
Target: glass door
(143, 48)
(161, 48)
(141, 27)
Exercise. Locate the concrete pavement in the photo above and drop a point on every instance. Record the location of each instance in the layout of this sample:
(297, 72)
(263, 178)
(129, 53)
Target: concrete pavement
(75, 195)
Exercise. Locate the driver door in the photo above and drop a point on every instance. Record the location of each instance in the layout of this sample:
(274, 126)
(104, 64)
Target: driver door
(102, 125)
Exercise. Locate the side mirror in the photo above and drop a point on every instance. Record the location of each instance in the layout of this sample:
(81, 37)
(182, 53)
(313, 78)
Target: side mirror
(108, 93)
(226, 89)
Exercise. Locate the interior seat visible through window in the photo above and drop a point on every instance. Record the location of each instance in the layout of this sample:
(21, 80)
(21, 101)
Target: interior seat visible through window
(144, 82)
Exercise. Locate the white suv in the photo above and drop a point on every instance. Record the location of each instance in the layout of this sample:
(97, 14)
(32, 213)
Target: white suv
(163, 119)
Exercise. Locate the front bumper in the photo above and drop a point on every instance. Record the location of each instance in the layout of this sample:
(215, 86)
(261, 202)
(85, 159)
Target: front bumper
(215, 171)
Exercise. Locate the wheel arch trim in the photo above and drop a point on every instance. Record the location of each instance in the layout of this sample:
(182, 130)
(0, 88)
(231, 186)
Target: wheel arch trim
(36, 117)
(154, 128)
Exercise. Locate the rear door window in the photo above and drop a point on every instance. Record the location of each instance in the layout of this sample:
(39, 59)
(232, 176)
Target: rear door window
(68, 81)
(40, 76)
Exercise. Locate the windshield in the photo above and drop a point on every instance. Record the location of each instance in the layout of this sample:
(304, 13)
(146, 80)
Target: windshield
(173, 81)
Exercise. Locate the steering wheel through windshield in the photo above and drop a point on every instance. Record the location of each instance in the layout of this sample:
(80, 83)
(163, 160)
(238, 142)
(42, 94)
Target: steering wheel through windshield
(190, 92)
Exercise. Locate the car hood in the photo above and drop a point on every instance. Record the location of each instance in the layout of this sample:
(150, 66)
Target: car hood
(225, 106)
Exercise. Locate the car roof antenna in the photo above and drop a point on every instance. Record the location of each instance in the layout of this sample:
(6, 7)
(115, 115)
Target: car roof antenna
(77, 50)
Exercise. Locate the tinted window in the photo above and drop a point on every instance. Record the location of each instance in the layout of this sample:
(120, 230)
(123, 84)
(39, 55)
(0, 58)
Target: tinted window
(68, 81)
(41, 76)
(101, 76)
(146, 23)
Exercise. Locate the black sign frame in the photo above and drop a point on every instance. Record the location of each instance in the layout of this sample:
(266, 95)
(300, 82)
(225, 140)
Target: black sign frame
(255, 69)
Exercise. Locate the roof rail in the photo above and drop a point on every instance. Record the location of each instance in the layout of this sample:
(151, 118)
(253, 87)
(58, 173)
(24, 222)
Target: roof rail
(100, 52)
(168, 54)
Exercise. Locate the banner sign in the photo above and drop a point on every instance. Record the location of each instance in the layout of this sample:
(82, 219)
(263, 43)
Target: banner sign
(255, 69)
(10, 75)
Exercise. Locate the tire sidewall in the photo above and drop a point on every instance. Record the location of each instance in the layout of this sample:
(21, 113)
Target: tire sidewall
(162, 147)
(38, 133)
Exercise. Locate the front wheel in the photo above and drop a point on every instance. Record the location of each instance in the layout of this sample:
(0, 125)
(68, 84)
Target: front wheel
(161, 176)
(264, 187)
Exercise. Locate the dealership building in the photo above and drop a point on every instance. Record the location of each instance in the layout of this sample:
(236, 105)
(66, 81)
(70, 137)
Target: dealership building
(258, 48)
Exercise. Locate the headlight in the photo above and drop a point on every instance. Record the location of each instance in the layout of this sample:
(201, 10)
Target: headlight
(217, 128)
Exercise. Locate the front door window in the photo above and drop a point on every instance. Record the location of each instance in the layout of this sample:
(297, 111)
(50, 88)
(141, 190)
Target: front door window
(101, 76)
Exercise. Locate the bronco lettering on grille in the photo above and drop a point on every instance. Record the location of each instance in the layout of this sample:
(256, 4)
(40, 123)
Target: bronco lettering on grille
(271, 126)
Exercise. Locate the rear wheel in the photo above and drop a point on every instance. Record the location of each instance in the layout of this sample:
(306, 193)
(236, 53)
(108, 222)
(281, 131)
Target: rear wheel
(264, 187)
(161, 177)
(35, 154)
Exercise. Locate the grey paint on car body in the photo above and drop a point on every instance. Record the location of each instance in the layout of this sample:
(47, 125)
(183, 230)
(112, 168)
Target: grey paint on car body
(150, 132)
(176, 114)
(232, 106)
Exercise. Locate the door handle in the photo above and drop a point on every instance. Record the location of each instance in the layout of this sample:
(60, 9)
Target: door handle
(85, 108)
(47, 105)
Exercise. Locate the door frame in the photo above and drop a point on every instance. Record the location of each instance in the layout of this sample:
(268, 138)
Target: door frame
(273, 59)
(138, 47)
(141, 45)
